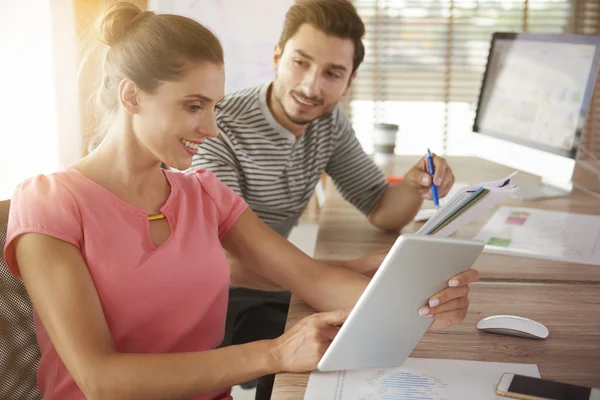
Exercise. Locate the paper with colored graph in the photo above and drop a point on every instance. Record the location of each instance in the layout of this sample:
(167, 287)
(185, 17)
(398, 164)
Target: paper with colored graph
(467, 204)
(418, 378)
(543, 234)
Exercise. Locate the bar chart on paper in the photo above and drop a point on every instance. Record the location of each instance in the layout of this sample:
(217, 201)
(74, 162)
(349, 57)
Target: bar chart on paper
(403, 385)
(417, 379)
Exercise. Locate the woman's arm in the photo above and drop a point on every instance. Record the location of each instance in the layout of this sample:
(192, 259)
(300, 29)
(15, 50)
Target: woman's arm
(63, 294)
(242, 276)
(245, 276)
(328, 287)
(323, 286)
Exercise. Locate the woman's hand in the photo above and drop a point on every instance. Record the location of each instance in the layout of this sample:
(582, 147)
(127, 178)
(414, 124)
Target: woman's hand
(301, 347)
(449, 306)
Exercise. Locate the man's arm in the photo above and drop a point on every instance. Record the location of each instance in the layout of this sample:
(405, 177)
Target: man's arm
(356, 177)
(396, 207)
(408, 195)
(363, 184)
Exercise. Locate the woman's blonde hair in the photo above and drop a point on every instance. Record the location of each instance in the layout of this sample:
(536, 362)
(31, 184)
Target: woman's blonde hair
(146, 48)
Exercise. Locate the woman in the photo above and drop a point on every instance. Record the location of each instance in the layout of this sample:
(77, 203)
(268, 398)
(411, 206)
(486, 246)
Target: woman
(124, 261)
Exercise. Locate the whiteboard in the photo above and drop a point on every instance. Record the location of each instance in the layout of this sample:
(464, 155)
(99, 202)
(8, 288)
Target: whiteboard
(248, 44)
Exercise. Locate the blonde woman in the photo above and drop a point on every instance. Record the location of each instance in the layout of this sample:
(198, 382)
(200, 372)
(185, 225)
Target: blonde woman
(124, 261)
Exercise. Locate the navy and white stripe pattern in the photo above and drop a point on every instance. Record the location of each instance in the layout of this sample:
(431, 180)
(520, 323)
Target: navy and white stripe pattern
(275, 172)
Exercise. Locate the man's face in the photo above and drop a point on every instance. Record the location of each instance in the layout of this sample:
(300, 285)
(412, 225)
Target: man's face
(313, 73)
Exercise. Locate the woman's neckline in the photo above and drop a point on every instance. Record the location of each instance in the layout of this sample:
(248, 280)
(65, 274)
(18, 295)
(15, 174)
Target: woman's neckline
(122, 202)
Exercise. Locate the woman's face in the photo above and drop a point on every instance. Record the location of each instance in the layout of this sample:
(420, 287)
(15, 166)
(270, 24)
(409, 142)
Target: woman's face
(174, 120)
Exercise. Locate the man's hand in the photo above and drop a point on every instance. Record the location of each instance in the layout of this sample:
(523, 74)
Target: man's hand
(371, 263)
(367, 265)
(420, 180)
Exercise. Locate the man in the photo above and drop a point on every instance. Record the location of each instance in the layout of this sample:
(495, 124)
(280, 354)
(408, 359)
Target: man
(278, 138)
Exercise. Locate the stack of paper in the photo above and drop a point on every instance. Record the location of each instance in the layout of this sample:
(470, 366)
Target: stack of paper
(466, 205)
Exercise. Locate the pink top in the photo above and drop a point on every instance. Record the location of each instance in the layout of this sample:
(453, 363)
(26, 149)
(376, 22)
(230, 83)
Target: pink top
(156, 300)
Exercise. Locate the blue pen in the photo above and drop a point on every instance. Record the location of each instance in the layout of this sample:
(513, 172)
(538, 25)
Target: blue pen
(434, 189)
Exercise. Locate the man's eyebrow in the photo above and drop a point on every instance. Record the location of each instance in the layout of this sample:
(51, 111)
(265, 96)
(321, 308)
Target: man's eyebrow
(334, 66)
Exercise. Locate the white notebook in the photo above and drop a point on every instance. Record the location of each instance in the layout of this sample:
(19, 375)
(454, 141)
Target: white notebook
(466, 205)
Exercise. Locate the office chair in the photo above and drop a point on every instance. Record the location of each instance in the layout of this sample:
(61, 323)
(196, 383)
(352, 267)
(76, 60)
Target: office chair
(19, 352)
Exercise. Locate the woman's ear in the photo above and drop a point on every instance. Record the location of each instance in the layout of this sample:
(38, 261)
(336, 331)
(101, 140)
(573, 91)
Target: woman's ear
(128, 96)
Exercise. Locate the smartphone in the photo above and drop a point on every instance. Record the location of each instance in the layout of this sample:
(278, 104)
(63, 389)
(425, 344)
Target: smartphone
(527, 388)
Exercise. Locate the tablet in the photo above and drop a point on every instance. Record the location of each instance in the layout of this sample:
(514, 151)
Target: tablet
(384, 326)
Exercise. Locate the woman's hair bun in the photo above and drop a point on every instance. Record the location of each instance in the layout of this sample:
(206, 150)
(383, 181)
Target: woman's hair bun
(113, 24)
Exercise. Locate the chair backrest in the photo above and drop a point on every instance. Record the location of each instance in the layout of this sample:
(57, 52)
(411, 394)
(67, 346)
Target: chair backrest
(19, 351)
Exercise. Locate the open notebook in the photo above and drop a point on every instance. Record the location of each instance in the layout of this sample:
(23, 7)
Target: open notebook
(466, 205)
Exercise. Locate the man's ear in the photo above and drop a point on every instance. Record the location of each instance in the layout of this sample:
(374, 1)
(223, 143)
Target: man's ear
(277, 52)
(349, 83)
(129, 96)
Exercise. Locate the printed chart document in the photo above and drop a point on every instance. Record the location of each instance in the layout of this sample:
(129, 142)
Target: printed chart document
(417, 379)
(543, 234)
(467, 204)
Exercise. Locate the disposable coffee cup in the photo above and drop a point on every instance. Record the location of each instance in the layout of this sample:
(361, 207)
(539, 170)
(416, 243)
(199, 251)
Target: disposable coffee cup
(384, 142)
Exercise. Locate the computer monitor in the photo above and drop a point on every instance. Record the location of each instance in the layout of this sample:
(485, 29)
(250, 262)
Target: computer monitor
(533, 105)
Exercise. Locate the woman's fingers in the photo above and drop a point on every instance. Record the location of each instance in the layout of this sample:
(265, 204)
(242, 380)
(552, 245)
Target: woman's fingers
(456, 304)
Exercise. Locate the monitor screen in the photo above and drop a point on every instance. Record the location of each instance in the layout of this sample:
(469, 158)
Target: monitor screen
(537, 92)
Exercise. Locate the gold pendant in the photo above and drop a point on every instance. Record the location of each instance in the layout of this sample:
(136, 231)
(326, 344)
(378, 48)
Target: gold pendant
(154, 217)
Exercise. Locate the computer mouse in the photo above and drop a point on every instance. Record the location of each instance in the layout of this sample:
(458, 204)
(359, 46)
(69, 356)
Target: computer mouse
(513, 326)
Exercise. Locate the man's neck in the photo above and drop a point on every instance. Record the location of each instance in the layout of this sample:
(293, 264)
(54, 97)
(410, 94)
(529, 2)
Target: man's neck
(279, 114)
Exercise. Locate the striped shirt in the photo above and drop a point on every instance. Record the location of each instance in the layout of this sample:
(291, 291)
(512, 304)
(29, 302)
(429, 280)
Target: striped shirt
(276, 172)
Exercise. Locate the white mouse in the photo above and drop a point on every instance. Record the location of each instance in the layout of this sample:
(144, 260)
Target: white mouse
(513, 326)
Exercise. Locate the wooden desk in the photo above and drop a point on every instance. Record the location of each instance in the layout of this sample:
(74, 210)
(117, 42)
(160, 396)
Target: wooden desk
(345, 233)
(564, 297)
(570, 311)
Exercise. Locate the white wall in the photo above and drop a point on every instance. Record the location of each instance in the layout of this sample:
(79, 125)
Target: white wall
(39, 114)
(66, 66)
(248, 45)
